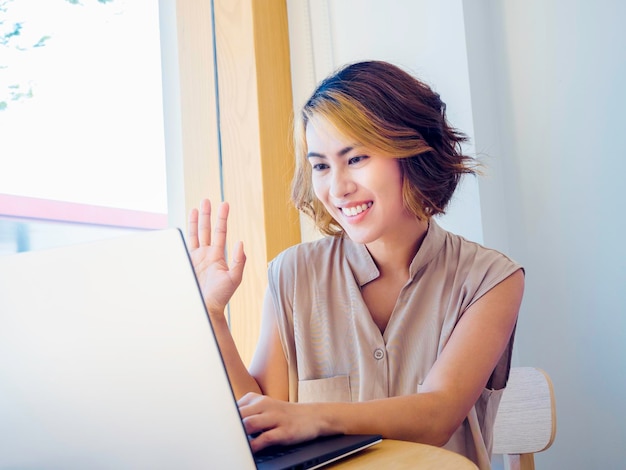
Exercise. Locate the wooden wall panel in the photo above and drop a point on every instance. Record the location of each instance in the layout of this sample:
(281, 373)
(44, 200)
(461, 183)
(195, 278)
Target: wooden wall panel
(241, 162)
(255, 101)
(271, 38)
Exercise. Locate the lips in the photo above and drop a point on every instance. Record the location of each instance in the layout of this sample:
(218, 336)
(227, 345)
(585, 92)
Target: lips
(355, 210)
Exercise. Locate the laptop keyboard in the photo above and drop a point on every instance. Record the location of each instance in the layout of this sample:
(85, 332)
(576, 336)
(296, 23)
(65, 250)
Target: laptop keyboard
(274, 452)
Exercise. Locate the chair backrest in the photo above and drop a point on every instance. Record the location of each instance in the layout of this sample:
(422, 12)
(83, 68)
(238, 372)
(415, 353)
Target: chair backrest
(526, 418)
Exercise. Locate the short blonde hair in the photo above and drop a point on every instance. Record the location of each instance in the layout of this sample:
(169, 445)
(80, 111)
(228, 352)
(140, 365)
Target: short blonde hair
(383, 107)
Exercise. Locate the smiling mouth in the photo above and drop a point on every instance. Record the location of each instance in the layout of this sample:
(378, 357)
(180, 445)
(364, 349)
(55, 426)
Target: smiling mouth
(355, 210)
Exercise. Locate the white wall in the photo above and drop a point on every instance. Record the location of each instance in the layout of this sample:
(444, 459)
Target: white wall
(548, 92)
(540, 87)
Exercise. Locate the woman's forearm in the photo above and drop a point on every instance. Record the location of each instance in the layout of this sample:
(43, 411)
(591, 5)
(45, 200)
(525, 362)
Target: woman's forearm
(411, 418)
(240, 379)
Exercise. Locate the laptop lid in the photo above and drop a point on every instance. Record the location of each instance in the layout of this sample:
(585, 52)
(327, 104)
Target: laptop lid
(107, 360)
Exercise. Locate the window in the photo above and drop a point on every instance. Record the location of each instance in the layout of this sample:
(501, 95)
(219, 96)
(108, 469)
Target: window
(240, 153)
(82, 152)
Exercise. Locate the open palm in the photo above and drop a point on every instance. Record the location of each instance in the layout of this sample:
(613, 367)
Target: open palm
(218, 281)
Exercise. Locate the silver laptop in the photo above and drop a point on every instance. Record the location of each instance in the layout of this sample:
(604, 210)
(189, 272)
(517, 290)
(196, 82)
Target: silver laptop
(108, 360)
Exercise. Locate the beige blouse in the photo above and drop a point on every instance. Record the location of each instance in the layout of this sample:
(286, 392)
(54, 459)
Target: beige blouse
(336, 352)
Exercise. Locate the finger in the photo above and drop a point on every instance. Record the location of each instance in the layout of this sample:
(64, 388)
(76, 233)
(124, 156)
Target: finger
(204, 224)
(254, 424)
(192, 229)
(219, 233)
(257, 424)
(270, 437)
(248, 399)
(238, 263)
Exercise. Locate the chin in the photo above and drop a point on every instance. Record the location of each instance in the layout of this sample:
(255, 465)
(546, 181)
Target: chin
(361, 238)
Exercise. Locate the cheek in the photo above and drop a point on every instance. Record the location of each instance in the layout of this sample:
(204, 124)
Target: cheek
(390, 183)
(386, 174)
(319, 188)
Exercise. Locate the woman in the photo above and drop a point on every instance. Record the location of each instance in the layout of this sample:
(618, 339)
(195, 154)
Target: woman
(389, 324)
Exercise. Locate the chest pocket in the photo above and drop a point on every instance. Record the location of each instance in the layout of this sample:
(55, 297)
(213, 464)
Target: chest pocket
(331, 389)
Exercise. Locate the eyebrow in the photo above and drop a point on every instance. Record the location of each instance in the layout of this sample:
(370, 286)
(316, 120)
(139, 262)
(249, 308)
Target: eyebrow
(341, 153)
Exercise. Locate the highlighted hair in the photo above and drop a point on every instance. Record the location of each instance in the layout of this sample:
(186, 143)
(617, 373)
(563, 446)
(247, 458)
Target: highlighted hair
(382, 107)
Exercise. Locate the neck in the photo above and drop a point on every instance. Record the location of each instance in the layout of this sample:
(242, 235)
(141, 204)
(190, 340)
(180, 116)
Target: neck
(396, 255)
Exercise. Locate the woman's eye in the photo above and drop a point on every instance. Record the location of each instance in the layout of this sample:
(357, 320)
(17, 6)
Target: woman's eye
(320, 166)
(355, 160)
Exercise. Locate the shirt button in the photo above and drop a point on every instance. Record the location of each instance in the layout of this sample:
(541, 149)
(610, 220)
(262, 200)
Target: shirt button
(379, 354)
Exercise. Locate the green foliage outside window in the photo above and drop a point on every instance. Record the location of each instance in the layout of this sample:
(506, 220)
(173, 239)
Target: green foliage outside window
(11, 35)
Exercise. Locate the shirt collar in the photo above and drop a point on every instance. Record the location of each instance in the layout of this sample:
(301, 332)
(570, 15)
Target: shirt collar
(364, 268)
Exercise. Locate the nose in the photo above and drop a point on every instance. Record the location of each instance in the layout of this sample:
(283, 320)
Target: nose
(341, 183)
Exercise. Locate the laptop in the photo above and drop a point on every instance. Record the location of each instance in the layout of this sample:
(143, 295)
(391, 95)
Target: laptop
(108, 360)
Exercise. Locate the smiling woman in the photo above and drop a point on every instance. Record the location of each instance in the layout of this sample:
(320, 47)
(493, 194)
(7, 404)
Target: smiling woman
(379, 327)
(400, 118)
(338, 167)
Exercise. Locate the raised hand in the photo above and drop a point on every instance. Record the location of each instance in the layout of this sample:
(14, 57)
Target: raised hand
(218, 281)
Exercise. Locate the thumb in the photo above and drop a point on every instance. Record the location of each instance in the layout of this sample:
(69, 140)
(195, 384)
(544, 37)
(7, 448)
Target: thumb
(238, 262)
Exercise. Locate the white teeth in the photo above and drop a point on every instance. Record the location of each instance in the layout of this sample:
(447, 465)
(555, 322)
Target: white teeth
(355, 210)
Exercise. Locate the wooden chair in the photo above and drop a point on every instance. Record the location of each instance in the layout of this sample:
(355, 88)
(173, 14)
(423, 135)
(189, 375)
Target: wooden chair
(526, 418)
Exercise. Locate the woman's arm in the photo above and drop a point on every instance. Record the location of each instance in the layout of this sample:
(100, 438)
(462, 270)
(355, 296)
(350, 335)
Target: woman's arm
(218, 282)
(449, 391)
(269, 364)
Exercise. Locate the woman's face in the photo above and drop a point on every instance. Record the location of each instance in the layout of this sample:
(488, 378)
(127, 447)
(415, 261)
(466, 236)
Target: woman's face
(359, 187)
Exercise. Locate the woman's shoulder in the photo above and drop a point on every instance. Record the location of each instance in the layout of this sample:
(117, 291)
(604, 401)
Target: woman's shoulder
(464, 247)
(306, 263)
(309, 252)
(476, 259)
